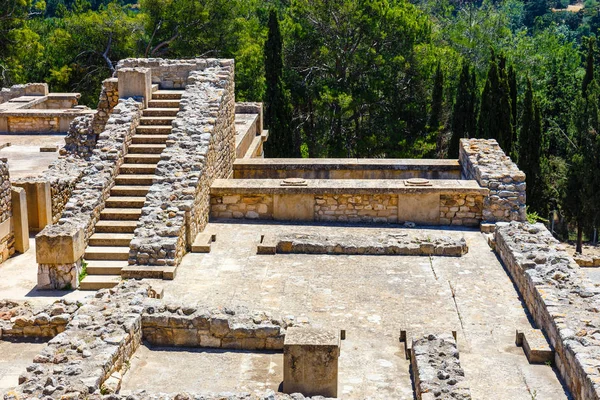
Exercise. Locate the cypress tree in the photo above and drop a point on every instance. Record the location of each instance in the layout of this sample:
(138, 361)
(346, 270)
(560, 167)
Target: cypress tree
(464, 120)
(495, 114)
(437, 106)
(512, 83)
(278, 110)
(530, 146)
(589, 65)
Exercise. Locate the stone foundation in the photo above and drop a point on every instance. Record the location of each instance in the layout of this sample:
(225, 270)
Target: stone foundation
(22, 320)
(560, 298)
(353, 208)
(461, 209)
(484, 161)
(436, 369)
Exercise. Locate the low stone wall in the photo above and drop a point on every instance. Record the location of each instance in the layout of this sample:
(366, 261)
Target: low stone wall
(30, 89)
(200, 149)
(7, 236)
(97, 343)
(460, 209)
(193, 326)
(560, 298)
(401, 243)
(87, 201)
(22, 320)
(34, 124)
(345, 168)
(443, 202)
(436, 369)
(484, 161)
(587, 261)
(109, 98)
(170, 74)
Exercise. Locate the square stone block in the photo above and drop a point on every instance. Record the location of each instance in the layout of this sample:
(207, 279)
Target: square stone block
(310, 361)
(56, 246)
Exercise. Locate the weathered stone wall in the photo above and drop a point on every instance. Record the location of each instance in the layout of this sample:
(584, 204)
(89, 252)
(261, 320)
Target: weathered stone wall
(88, 197)
(97, 342)
(460, 209)
(81, 139)
(436, 369)
(484, 161)
(193, 326)
(200, 149)
(170, 74)
(22, 320)
(560, 298)
(7, 237)
(30, 89)
(109, 98)
(377, 208)
(34, 124)
(240, 206)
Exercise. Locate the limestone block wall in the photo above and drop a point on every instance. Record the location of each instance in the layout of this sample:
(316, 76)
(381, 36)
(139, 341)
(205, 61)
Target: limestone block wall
(200, 149)
(193, 326)
(461, 209)
(561, 299)
(27, 124)
(377, 208)
(30, 89)
(170, 74)
(242, 207)
(7, 236)
(82, 210)
(484, 161)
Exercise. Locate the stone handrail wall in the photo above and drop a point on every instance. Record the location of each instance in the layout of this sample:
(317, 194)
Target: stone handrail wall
(200, 149)
(484, 161)
(88, 197)
(436, 369)
(171, 74)
(30, 89)
(192, 326)
(560, 298)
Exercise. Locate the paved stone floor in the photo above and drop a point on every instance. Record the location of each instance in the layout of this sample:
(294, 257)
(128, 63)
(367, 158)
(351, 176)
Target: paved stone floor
(24, 156)
(373, 297)
(14, 358)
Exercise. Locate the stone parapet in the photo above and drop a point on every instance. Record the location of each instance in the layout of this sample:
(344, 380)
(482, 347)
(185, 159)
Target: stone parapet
(484, 161)
(560, 298)
(194, 326)
(436, 369)
(200, 149)
(29, 89)
(88, 197)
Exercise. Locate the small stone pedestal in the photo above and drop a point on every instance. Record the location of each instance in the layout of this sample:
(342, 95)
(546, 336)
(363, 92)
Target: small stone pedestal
(310, 362)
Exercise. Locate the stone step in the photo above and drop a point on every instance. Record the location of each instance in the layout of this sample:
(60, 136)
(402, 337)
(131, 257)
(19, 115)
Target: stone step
(156, 121)
(134, 191)
(167, 94)
(99, 267)
(125, 202)
(110, 239)
(160, 112)
(150, 139)
(107, 253)
(134, 179)
(97, 282)
(142, 158)
(121, 214)
(116, 226)
(164, 104)
(153, 130)
(137, 168)
(146, 148)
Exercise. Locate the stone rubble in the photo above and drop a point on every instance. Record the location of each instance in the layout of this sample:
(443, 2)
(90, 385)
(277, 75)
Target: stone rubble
(21, 319)
(561, 299)
(388, 244)
(484, 161)
(437, 370)
(200, 149)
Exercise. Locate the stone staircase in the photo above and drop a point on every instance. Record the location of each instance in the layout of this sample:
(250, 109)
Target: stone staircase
(108, 247)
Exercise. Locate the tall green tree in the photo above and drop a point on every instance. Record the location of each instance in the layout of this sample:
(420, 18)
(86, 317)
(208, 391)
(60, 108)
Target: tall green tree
(464, 117)
(436, 116)
(278, 112)
(531, 147)
(589, 65)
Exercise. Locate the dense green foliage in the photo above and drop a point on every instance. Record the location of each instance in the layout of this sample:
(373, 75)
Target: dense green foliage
(356, 78)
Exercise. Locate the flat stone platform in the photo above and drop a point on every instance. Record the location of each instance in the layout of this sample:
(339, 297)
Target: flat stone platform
(373, 298)
(24, 156)
(15, 357)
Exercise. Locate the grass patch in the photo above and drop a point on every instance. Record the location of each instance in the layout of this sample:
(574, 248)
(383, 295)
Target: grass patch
(83, 272)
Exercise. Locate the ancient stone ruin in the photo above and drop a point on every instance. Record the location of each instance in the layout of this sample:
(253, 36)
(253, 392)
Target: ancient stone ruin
(161, 256)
